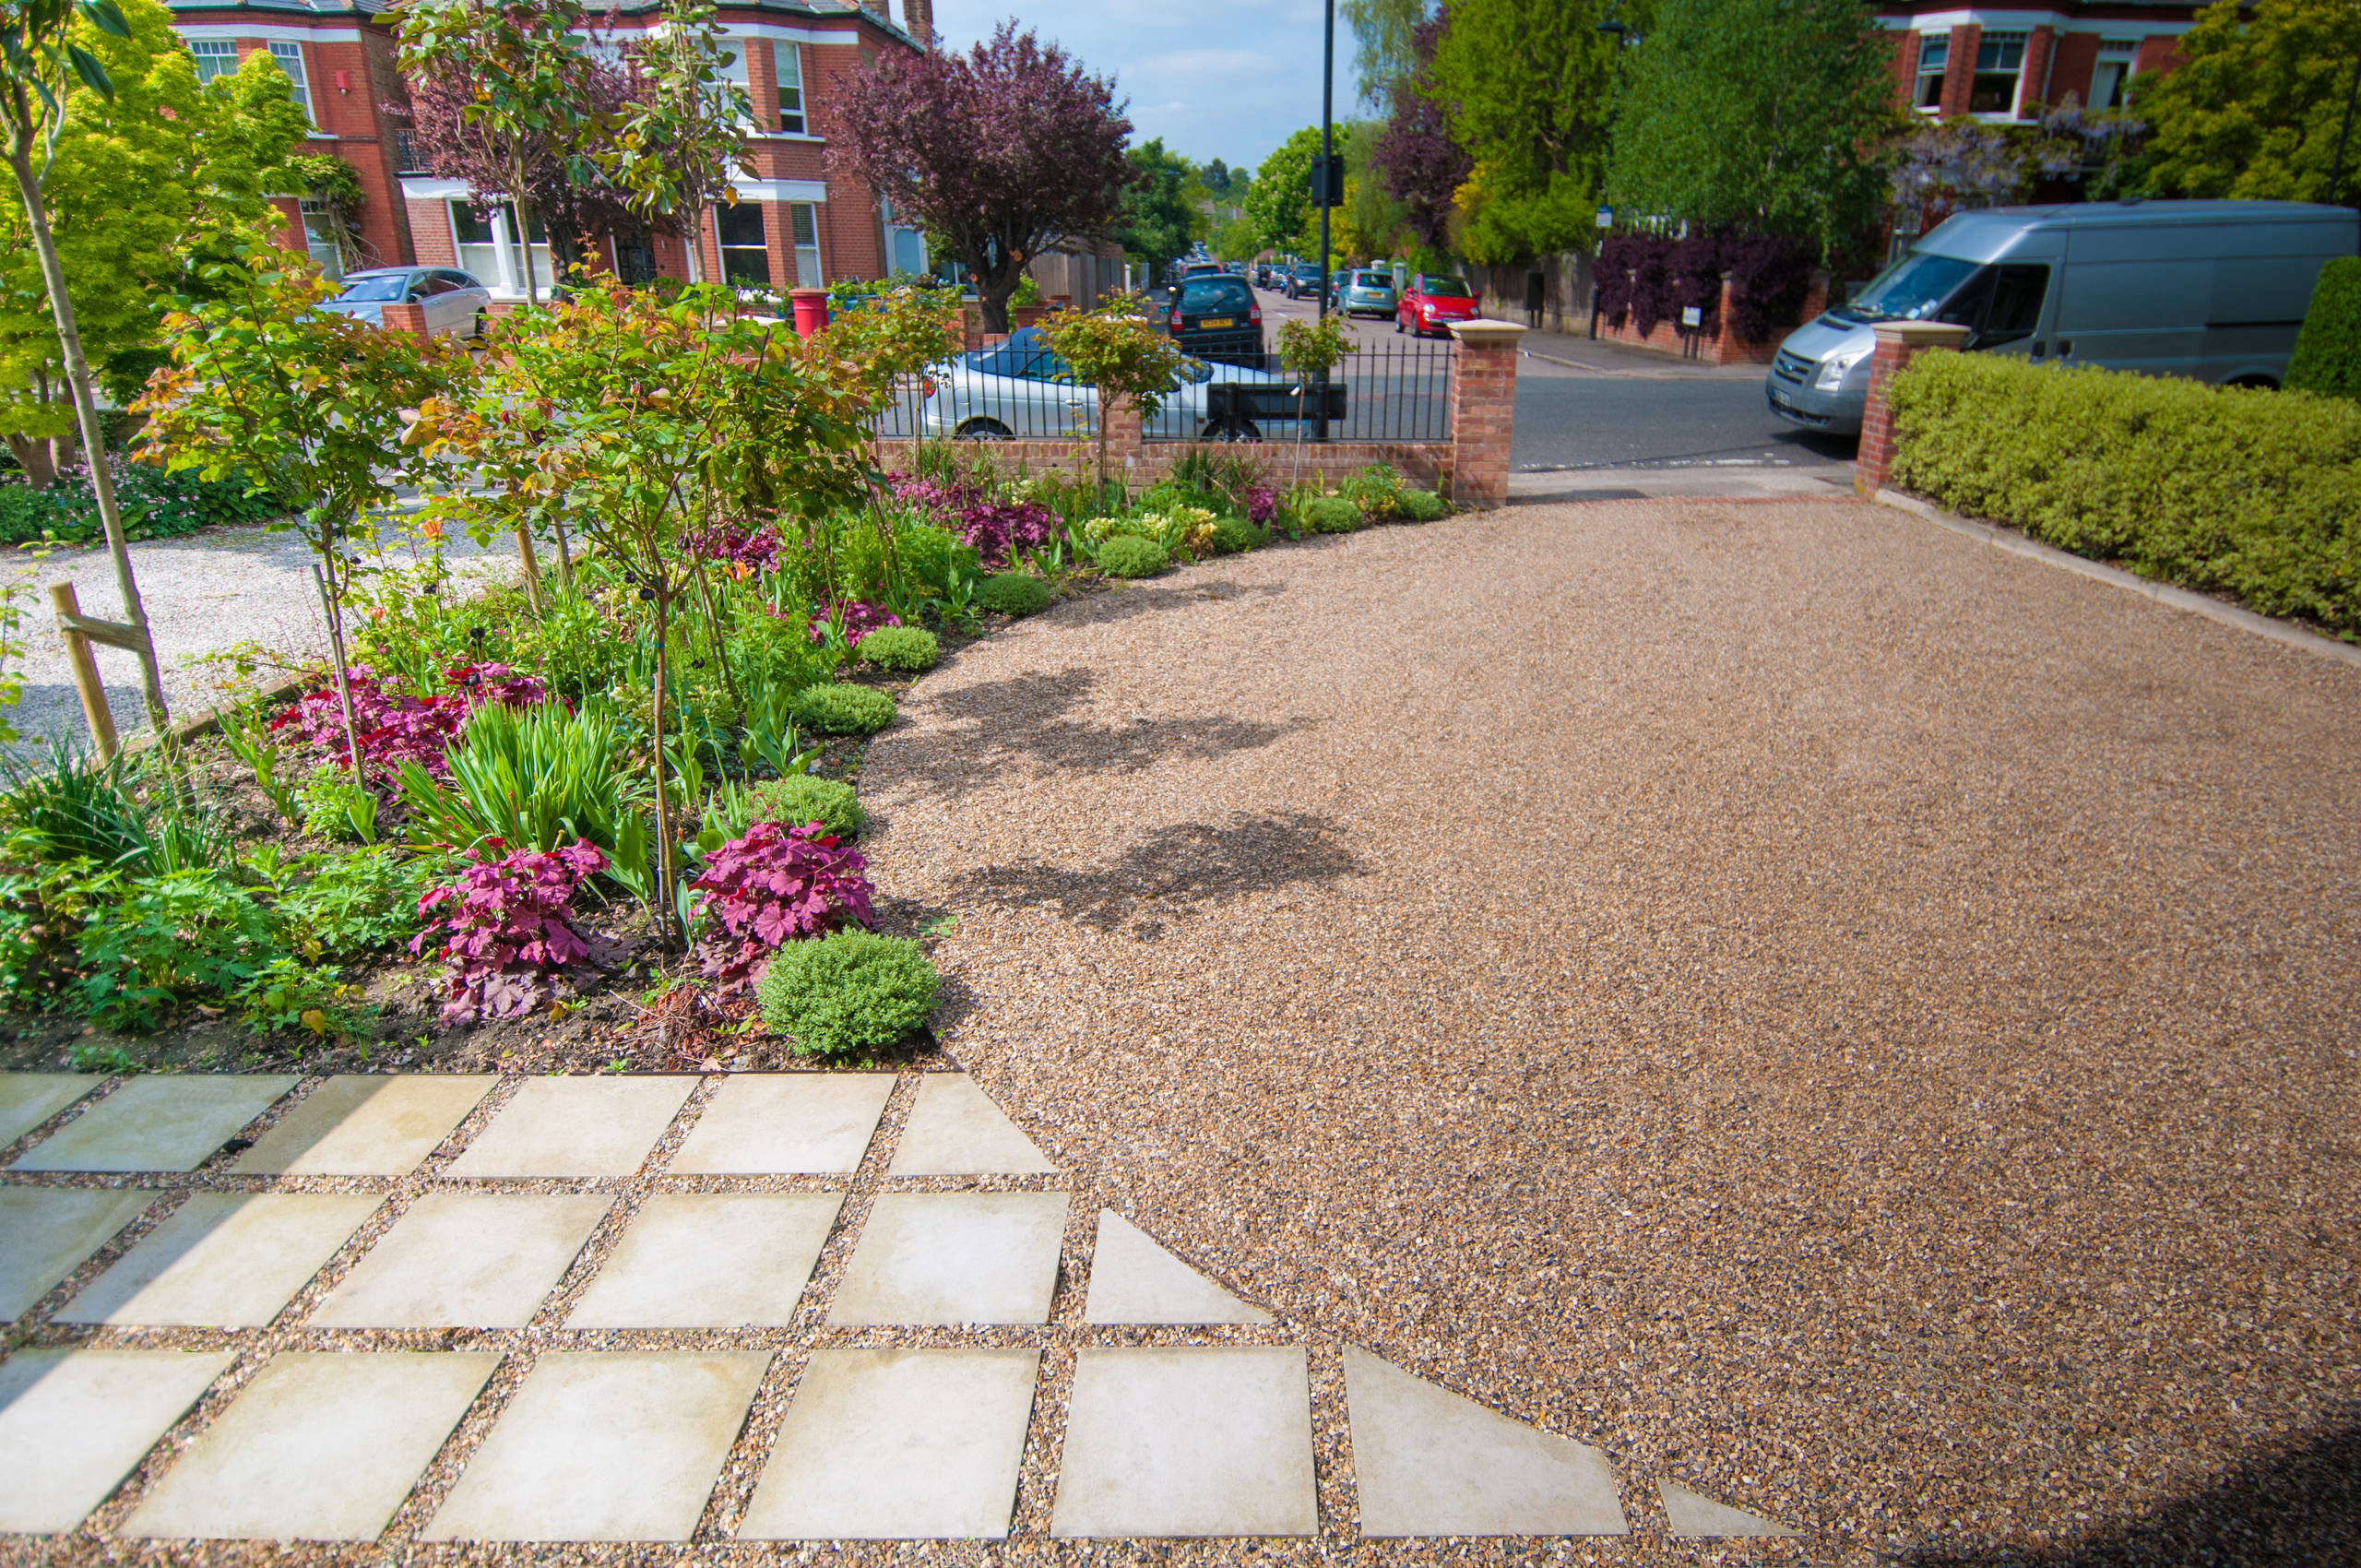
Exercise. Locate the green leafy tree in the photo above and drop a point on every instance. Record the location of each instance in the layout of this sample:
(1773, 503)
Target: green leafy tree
(1280, 201)
(678, 141)
(143, 188)
(1527, 84)
(1766, 115)
(2258, 109)
(1118, 351)
(1311, 350)
(43, 65)
(1157, 217)
(1384, 50)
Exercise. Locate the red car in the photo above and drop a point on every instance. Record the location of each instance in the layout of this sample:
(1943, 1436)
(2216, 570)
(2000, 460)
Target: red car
(1431, 301)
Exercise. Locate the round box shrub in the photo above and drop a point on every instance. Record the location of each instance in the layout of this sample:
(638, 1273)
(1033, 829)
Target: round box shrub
(1331, 514)
(1420, 506)
(799, 798)
(850, 992)
(1013, 593)
(905, 650)
(1233, 535)
(837, 708)
(1124, 557)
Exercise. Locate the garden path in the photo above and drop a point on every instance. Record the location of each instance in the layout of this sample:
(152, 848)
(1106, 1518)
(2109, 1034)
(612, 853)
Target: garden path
(207, 594)
(673, 1309)
(1848, 1020)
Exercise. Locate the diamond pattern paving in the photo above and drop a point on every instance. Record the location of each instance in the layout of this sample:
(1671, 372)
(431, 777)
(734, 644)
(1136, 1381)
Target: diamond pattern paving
(932, 1332)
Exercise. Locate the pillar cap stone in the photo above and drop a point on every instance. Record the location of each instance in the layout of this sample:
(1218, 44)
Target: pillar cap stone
(1922, 334)
(1483, 331)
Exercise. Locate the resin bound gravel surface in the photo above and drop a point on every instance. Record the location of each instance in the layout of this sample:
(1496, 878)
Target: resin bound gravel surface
(1844, 1019)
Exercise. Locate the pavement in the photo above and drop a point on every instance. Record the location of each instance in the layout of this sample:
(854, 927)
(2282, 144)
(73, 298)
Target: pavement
(670, 1309)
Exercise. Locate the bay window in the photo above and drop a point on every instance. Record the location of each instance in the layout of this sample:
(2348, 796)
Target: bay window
(1999, 65)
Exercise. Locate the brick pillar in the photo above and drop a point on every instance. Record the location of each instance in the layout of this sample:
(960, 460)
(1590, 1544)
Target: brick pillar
(1483, 410)
(918, 20)
(1126, 439)
(407, 319)
(2033, 92)
(1958, 69)
(1899, 342)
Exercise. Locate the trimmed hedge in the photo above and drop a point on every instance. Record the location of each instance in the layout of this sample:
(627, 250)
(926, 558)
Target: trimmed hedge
(800, 798)
(840, 709)
(1421, 507)
(1126, 556)
(905, 650)
(2328, 352)
(1330, 514)
(2249, 493)
(849, 992)
(1234, 535)
(1013, 593)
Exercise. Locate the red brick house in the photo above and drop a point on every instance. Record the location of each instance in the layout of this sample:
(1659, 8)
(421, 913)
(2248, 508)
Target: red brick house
(2007, 65)
(790, 228)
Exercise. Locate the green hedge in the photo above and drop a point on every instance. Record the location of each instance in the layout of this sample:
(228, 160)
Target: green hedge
(2249, 493)
(2328, 353)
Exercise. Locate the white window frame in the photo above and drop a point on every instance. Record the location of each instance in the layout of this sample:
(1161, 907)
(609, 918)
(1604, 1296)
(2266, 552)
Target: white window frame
(788, 61)
(2123, 55)
(323, 237)
(507, 271)
(1999, 38)
(299, 81)
(724, 250)
(215, 57)
(803, 218)
(1920, 76)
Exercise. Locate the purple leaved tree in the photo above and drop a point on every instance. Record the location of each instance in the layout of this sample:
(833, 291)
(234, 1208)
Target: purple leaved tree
(1000, 151)
(1422, 166)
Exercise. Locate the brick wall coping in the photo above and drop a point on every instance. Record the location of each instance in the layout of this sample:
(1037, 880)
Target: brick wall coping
(1483, 332)
(1922, 334)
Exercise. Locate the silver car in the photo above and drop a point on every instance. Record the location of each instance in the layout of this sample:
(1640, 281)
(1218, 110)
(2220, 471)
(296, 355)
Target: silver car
(1018, 390)
(455, 305)
(1369, 292)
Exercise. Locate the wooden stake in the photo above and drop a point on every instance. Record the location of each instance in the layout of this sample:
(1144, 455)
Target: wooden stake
(86, 669)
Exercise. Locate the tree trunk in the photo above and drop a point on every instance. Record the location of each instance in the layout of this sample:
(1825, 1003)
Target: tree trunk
(31, 453)
(993, 288)
(85, 411)
(666, 899)
(524, 213)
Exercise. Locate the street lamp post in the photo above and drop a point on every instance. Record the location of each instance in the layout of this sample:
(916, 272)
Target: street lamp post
(1327, 139)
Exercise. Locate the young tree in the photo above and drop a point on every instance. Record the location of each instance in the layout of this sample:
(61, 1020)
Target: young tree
(1280, 201)
(2256, 110)
(1526, 83)
(1423, 168)
(681, 132)
(999, 151)
(1771, 115)
(44, 54)
(1118, 351)
(1154, 224)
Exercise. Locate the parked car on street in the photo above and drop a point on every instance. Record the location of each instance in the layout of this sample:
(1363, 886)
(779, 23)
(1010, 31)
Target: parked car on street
(2212, 290)
(1337, 281)
(1217, 318)
(1368, 292)
(1303, 280)
(453, 301)
(1431, 301)
(1019, 389)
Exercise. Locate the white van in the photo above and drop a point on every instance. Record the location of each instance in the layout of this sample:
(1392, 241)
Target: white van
(2212, 289)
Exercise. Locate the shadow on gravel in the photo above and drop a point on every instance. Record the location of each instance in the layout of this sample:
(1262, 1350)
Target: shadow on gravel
(1029, 719)
(1143, 598)
(2297, 1505)
(1177, 871)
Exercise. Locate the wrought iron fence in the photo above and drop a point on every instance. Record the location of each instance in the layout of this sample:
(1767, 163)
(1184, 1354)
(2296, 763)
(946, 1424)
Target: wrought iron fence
(1386, 392)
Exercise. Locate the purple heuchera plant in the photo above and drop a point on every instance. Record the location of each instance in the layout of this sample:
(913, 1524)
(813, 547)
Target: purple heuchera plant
(504, 928)
(861, 618)
(755, 549)
(393, 728)
(775, 885)
(994, 530)
(1262, 502)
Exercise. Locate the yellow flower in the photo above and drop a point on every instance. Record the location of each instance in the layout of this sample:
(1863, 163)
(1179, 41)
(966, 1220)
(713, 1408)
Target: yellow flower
(432, 529)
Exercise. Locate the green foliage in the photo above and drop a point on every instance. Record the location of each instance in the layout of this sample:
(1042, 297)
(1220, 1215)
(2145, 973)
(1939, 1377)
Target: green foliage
(2328, 352)
(1765, 115)
(1383, 48)
(2257, 108)
(1235, 535)
(1329, 514)
(114, 817)
(2256, 494)
(289, 992)
(354, 905)
(1279, 202)
(1376, 490)
(1127, 555)
(1527, 83)
(850, 992)
(337, 808)
(799, 798)
(184, 934)
(1312, 346)
(905, 650)
(1158, 220)
(155, 505)
(933, 559)
(537, 779)
(1420, 506)
(1120, 351)
(1013, 593)
(838, 709)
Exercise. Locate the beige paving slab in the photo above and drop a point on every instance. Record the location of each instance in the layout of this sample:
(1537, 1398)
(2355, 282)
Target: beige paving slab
(74, 1422)
(1132, 1279)
(956, 1129)
(28, 1099)
(954, 1258)
(589, 1124)
(163, 1121)
(464, 1260)
(1187, 1442)
(1693, 1513)
(321, 1445)
(366, 1125)
(898, 1445)
(45, 1232)
(222, 1260)
(710, 1260)
(605, 1446)
(785, 1124)
(1430, 1463)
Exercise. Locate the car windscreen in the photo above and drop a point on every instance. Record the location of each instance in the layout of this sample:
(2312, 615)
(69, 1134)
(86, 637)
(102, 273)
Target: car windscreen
(1214, 296)
(1373, 280)
(1911, 289)
(1021, 361)
(368, 291)
(1444, 288)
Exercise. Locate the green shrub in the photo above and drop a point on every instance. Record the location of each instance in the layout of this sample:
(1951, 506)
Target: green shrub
(538, 778)
(2328, 352)
(799, 798)
(356, 903)
(1233, 535)
(165, 942)
(336, 808)
(1376, 490)
(838, 709)
(849, 992)
(1013, 593)
(931, 557)
(1126, 556)
(1330, 514)
(2252, 494)
(155, 504)
(905, 650)
(1420, 506)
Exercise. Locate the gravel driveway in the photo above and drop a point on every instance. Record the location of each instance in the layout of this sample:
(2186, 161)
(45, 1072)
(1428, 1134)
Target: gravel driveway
(1844, 1018)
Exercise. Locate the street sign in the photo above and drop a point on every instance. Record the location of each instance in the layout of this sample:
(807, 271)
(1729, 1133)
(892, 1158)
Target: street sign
(1606, 217)
(1693, 316)
(1330, 193)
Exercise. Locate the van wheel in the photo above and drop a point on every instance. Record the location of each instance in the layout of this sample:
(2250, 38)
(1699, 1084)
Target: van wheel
(475, 328)
(1230, 427)
(983, 430)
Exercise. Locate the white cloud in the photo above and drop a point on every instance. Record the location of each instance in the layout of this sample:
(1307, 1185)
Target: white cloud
(1201, 64)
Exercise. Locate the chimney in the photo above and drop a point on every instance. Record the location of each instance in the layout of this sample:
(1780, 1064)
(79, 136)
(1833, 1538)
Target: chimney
(918, 20)
(877, 8)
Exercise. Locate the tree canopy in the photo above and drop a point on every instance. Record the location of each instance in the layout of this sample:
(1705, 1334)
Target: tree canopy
(1279, 200)
(1763, 114)
(998, 152)
(2257, 109)
(1158, 220)
(1385, 35)
(1526, 85)
(1415, 156)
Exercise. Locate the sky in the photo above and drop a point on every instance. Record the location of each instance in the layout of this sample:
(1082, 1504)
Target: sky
(1215, 78)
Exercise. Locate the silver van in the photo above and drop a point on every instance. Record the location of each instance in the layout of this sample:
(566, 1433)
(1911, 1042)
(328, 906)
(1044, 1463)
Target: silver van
(2213, 290)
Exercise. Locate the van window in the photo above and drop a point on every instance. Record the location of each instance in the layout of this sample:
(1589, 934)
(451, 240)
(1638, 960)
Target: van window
(2016, 305)
(1908, 291)
(1212, 296)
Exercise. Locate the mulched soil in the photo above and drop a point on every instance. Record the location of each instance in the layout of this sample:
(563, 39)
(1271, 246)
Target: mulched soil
(1850, 1020)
